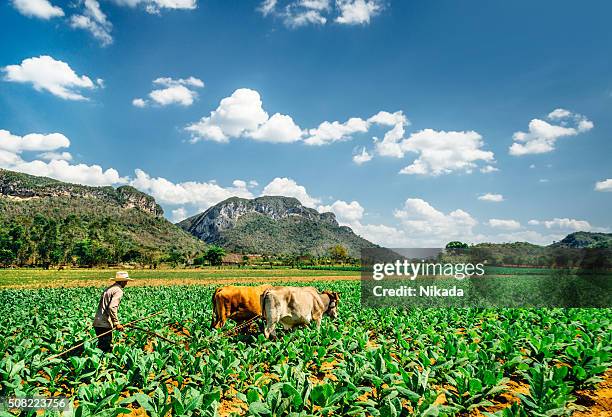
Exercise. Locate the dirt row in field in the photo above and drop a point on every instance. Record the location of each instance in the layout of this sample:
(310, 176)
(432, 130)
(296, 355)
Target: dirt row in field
(157, 282)
(598, 402)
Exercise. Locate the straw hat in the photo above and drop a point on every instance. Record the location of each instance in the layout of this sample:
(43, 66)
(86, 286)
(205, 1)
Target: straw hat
(121, 276)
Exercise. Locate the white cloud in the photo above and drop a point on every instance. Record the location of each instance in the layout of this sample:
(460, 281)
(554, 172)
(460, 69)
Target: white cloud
(267, 7)
(329, 132)
(94, 21)
(297, 13)
(381, 234)
(42, 9)
(315, 4)
(91, 18)
(279, 128)
(52, 164)
(389, 119)
(505, 224)
(32, 142)
(47, 74)
(189, 81)
(176, 91)
(563, 224)
(542, 135)
(242, 115)
(289, 188)
(155, 6)
(357, 12)
(241, 112)
(8, 159)
(605, 185)
(179, 214)
(52, 156)
(559, 114)
(362, 157)
(80, 173)
(487, 169)
(427, 226)
(439, 152)
(390, 144)
(443, 152)
(178, 94)
(567, 224)
(346, 213)
(304, 12)
(495, 198)
(201, 195)
(305, 17)
(520, 236)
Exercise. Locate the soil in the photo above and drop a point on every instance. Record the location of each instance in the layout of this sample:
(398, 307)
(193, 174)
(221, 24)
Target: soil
(231, 405)
(135, 412)
(148, 282)
(598, 401)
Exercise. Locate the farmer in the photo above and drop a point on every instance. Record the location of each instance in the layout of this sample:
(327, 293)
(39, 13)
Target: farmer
(106, 317)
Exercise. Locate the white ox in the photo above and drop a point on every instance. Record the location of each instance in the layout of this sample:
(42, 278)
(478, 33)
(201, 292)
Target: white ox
(296, 306)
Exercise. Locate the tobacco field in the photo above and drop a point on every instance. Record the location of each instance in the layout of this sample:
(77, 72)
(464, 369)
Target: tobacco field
(368, 362)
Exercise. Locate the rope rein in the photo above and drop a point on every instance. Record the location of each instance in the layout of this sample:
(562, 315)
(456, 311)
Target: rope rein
(240, 326)
(100, 335)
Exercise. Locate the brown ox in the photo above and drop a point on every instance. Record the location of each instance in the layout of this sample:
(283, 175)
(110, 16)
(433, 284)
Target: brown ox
(237, 303)
(296, 306)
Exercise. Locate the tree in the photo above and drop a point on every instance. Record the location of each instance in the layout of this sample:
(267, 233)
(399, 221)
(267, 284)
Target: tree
(83, 251)
(175, 258)
(456, 245)
(6, 258)
(47, 245)
(101, 254)
(18, 244)
(338, 253)
(214, 254)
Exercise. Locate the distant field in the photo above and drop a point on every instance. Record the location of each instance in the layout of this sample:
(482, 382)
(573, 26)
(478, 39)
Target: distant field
(95, 277)
(36, 278)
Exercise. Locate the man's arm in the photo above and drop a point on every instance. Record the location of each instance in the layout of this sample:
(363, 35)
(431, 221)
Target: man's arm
(113, 309)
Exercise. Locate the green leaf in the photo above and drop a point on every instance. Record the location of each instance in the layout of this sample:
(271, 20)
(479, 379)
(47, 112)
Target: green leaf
(475, 386)
(259, 408)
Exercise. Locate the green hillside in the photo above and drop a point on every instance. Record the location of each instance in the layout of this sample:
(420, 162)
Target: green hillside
(587, 240)
(256, 233)
(45, 222)
(272, 225)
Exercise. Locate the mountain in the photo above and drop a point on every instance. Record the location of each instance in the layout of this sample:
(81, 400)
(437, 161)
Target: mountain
(44, 221)
(585, 240)
(272, 225)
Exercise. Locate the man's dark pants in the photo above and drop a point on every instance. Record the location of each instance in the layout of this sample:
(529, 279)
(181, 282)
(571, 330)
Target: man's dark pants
(105, 343)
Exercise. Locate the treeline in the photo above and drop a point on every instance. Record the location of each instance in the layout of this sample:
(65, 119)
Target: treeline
(78, 241)
(336, 256)
(529, 255)
(83, 241)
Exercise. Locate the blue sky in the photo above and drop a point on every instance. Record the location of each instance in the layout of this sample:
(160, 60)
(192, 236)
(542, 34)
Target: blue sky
(416, 122)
